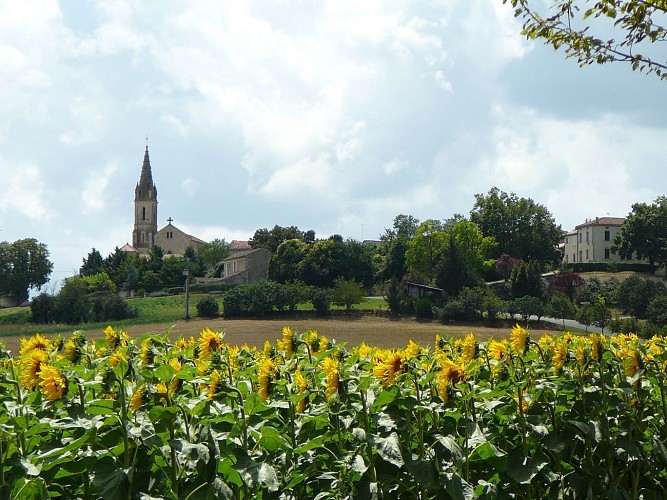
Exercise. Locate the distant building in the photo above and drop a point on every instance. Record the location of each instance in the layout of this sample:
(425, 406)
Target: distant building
(237, 246)
(592, 241)
(246, 266)
(145, 234)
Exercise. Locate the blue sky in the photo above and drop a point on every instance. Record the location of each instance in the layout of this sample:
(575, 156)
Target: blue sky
(333, 116)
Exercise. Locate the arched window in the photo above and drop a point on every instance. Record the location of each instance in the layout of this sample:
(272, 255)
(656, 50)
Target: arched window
(143, 213)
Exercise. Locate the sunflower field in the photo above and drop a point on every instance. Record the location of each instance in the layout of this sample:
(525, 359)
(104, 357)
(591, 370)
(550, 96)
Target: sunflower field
(309, 418)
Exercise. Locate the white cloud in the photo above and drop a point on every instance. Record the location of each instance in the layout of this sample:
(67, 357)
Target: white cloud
(22, 190)
(94, 196)
(190, 186)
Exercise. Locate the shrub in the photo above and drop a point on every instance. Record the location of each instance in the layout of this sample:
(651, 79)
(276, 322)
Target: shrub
(424, 309)
(208, 308)
(321, 301)
(347, 292)
(41, 308)
(453, 311)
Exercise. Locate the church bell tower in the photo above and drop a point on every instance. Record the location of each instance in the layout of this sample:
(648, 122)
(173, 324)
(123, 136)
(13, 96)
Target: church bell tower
(145, 209)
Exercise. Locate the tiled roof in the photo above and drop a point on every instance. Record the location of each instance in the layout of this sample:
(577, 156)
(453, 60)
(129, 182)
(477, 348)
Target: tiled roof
(128, 248)
(242, 253)
(603, 221)
(239, 245)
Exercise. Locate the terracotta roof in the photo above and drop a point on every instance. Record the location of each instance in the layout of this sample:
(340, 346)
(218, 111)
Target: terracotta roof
(128, 248)
(603, 221)
(243, 253)
(239, 245)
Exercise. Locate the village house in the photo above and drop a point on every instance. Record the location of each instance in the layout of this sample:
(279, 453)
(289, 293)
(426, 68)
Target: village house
(592, 241)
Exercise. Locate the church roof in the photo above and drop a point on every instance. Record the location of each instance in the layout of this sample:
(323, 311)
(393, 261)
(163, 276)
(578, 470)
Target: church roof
(128, 248)
(146, 188)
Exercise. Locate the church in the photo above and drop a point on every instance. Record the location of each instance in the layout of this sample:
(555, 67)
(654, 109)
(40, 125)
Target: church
(146, 234)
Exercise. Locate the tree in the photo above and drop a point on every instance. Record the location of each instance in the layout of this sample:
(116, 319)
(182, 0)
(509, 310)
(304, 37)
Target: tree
(328, 259)
(505, 264)
(635, 294)
(286, 263)
(24, 264)
(526, 279)
(271, 239)
(644, 233)
(560, 306)
(425, 248)
(347, 293)
(600, 314)
(92, 264)
(635, 24)
(213, 252)
(568, 284)
(521, 227)
(404, 227)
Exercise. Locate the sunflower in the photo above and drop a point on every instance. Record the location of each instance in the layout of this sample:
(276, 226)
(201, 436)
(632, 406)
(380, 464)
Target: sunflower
(559, 355)
(138, 399)
(440, 344)
(412, 350)
(213, 385)
(597, 347)
(301, 383)
(52, 382)
(31, 364)
(364, 350)
(330, 367)
(390, 365)
(315, 342)
(181, 344)
(581, 353)
(112, 336)
(176, 383)
(635, 363)
(469, 349)
(288, 342)
(209, 342)
(116, 358)
(545, 341)
(72, 351)
(265, 374)
(147, 353)
(497, 350)
(38, 341)
(449, 372)
(519, 340)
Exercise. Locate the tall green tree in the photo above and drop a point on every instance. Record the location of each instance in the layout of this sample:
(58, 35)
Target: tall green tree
(521, 227)
(426, 247)
(92, 264)
(213, 252)
(328, 259)
(404, 227)
(643, 235)
(601, 31)
(287, 263)
(24, 264)
(272, 238)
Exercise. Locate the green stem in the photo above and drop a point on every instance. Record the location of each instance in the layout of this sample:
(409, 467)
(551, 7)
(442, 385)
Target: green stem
(123, 411)
(174, 463)
(369, 448)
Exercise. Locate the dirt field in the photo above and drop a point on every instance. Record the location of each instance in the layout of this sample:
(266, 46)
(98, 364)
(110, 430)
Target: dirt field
(383, 332)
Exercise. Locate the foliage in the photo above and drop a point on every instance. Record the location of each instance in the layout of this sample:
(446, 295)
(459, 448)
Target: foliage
(423, 309)
(309, 418)
(24, 264)
(600, 32)
(347, 293)
(565, 283)
(321, 300)
(334, 257)
(656, 312)
(426, 247)
(272, 239)
(403, 228)
(526, 279)
(213, 252)
(505, 264)
(394, 295)
(526, 307)
(635, 294)
(599, 314)
(643, 235)
(92, 264)
(521, 228)
(560, 306)
(286, 263)
(208, 308)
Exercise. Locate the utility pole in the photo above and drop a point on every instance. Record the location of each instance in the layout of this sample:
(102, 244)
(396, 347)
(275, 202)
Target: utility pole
(186, 273)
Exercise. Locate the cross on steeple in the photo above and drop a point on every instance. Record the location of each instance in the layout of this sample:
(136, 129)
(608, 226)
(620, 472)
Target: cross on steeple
(170, 220)
(146, 140)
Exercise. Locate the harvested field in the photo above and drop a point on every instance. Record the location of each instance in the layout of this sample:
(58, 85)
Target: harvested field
(377, 331)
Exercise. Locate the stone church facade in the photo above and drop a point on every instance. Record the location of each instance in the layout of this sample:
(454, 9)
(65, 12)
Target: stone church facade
(145, 234)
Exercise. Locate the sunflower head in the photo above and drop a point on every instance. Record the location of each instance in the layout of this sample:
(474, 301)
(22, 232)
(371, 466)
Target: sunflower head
(519, 340)
(209, 342)
(31, 364)
(288, 341)
(112, 336)
(72, 351)
(139, 398)
(147, 353)
(37, 341)
(330, 367)
(469, 349)
(52, 383)
(560, 355)
(265, 375)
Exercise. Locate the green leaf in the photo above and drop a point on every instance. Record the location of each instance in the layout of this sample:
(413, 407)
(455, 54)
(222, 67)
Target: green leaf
(73, 445)
(29, 489)
(272, 440)
(523, 469)
(111, 481)
(457, 487)
(388, 448)
(164, 373)
(384, 398)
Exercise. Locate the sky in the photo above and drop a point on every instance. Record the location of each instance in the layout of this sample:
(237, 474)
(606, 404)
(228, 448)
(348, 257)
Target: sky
(329, 115)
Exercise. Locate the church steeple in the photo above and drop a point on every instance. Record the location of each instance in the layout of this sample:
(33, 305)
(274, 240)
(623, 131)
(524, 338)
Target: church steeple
(145, 209)
(146, 189)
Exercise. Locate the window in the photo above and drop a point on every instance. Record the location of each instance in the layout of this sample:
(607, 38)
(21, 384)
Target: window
(606, 253)
(580, 259)
(574, 257)
(143, 213)
(607, 235)
(587, 240)
(587, 254)
(566, 258)
(580, 237)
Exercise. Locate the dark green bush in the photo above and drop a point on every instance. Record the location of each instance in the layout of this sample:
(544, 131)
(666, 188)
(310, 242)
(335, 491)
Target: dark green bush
(453, 310)
(41, 308)
(424, 309)
(208, 308)
(321, 301)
